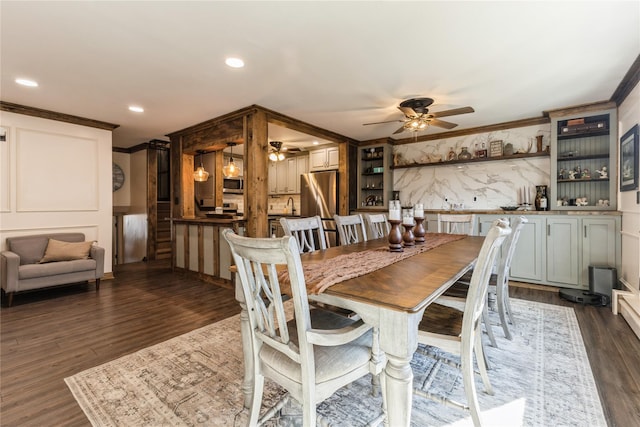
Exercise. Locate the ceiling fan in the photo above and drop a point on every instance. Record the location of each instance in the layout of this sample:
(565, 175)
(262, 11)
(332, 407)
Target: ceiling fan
(418, 117)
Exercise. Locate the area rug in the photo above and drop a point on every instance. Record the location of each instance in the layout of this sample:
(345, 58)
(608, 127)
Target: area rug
(541, 378)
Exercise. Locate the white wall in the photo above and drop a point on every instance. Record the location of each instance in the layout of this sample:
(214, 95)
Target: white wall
(55, 177)
(492, 183)
(628, 116)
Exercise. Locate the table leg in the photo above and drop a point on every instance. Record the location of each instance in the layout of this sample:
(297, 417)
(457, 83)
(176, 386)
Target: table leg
(398, 390)
(245, 331)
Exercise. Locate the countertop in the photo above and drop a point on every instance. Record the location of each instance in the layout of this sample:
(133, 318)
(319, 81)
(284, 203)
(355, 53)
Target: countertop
(209, 221)
(503, 212)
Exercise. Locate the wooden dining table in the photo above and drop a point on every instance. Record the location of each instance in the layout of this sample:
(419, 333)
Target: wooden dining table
(391, 299)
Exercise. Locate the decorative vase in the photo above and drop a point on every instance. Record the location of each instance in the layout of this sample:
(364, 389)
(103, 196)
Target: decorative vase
(465, 154)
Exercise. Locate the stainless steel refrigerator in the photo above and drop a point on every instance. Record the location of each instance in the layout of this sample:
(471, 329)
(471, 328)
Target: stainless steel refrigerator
(319, 196)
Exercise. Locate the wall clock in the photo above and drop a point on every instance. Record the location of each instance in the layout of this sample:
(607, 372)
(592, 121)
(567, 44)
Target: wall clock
(118, 177)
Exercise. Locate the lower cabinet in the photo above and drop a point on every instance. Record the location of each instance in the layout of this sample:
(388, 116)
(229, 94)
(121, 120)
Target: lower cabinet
(558, 249)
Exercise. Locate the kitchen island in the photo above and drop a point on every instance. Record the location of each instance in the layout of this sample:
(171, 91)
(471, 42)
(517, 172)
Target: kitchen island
(199, 249)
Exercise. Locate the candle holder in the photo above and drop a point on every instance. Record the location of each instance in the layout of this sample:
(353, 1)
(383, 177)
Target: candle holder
(419, 231)
(395, 236)
(407, 238)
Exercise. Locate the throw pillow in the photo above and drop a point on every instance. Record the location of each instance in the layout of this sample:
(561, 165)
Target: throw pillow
(58, 250)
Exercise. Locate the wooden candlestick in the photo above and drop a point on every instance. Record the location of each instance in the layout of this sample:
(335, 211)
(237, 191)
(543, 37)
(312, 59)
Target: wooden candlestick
(395, 236)
(408, 238)
(419, 231)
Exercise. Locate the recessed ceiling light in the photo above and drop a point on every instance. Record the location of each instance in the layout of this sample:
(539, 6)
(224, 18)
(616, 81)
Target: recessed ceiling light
(234, 62)
(27, 82)
(136, 109)
(315, 143)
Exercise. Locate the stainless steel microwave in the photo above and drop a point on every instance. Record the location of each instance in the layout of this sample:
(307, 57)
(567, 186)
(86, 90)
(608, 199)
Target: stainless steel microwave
(233, 185)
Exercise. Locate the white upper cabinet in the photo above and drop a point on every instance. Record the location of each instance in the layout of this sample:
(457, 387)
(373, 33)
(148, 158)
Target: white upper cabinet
(324, 159)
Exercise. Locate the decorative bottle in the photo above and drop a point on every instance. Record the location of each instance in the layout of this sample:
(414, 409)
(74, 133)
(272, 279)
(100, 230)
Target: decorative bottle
(452, 155)
(464, 154)
(541, 201)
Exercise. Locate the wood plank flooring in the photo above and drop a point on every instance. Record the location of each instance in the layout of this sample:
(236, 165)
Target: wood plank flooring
(49, 335)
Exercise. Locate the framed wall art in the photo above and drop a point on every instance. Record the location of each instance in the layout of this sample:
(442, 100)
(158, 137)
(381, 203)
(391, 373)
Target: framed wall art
(495, 149)
(629, 160)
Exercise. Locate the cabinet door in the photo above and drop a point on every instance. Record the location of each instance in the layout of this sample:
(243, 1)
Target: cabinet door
(431, 223)
(292, 175)
(598, 245)
(318, 159)
(563, 247)
(302, 167)
(282, 170)
(273, 185)
(527, 262)
(333, 158)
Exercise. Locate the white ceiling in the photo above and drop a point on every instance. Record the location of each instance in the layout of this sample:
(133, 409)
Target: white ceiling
(335, 65)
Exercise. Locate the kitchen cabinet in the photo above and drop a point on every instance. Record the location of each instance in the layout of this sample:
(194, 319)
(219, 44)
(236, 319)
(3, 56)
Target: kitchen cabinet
(562, 250)
(324, 159)
(374, 176)
(558, 249)
(583, 145)
(284, 176)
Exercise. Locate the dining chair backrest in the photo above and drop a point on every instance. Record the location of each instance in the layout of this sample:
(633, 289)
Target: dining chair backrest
(378, 225)
(457, 224)
(309, 232)
(479, 285)
(351, 229)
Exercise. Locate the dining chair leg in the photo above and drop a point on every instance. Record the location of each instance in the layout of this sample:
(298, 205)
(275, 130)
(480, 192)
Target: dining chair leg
(504, 309)
(482, 367)
(466, 359)
(256, 400)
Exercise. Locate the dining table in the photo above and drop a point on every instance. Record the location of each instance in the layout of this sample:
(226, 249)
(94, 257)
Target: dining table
(392, 299)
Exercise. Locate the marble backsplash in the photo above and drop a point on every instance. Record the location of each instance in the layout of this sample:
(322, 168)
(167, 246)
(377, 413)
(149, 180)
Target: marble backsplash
(478, 185)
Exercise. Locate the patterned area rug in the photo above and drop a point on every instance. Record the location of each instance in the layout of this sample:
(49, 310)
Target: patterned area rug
(541, 378)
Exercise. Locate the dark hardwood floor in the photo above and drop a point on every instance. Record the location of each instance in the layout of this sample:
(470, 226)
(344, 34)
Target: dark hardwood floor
(49, 335)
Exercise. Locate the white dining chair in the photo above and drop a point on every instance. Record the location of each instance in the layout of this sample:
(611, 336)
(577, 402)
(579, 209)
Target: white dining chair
(311, 356)
(459, 332)
(498, 282)
(457, 224)
(351, 229)
(378, 225)
(309, 232)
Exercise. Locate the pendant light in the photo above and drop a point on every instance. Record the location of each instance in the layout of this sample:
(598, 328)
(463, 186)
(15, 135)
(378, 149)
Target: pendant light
(200, 175)
(231, 170)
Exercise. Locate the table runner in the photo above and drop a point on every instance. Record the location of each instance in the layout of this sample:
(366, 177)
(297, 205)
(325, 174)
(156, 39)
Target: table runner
(321, 275)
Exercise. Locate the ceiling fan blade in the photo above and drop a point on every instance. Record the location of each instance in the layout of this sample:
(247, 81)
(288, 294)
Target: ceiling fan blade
(455, 111)
(378, 123)
(408, 111)
(400, 130)
(442, 123)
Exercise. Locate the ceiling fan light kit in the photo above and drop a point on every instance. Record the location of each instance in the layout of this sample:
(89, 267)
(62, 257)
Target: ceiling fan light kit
(418, 118)
(275, 155)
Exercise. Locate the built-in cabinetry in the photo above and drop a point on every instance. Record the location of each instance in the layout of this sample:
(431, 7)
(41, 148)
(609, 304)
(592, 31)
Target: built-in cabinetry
(374, 176)
(284, 176)
(583, 160)
(324, 159)
(558, 249)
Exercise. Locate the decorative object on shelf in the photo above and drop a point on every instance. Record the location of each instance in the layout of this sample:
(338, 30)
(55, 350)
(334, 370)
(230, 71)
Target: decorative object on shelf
(508, 149)
(525, 199)
(482, 153)
(541, 201)
(275, 155)
(495, 148)
(200, 174)
(582, 201)
(231, 170)
(539, 143)
(603, 172)
(629, 160)
(509, 208)
(452, 155)
(464, 154)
